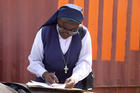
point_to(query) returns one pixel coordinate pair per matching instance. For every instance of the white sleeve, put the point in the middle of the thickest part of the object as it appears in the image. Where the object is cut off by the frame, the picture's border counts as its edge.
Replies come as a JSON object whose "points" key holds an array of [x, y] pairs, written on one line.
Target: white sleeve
{"points": [[84, 64], [35, 58]]}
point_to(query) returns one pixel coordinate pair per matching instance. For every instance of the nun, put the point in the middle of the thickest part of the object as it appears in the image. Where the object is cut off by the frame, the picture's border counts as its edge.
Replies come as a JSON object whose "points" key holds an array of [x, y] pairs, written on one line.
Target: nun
{"points": [[59, 54]]}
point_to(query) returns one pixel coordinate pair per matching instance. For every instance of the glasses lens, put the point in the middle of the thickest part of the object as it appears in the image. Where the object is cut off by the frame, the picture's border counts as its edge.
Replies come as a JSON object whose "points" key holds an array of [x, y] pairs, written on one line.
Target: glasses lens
{"points": [[62, 30]]}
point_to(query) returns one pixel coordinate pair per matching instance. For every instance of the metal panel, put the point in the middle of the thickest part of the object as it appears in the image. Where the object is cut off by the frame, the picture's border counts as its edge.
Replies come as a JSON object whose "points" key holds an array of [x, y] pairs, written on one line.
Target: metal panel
{"points": [[20, 20], [117, 90]]}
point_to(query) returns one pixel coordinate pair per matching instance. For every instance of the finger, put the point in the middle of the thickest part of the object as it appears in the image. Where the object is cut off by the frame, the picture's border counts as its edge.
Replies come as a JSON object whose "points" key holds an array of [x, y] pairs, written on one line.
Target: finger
{"points": [[49, 80], [54, 78], [69, 85], [68, 80]]}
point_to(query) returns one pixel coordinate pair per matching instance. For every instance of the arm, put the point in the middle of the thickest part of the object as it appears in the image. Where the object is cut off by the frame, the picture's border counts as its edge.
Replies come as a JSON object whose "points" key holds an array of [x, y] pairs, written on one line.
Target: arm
{"points": [[36, 66], [84, 64], [35, 58]]}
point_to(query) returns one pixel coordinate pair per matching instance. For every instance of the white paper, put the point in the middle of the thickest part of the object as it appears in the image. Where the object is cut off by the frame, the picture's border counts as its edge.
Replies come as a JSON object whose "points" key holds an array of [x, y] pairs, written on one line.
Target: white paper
{"points": [[45, 85]]}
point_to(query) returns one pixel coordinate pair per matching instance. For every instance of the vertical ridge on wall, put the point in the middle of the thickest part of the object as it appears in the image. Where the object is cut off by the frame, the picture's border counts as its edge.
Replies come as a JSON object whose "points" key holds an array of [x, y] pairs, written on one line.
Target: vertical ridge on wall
{"points": [[100, 29], [1, 40], [121, 30], [107, 30], [62, 2], [93, 24], [114, 29], [135, 26]]}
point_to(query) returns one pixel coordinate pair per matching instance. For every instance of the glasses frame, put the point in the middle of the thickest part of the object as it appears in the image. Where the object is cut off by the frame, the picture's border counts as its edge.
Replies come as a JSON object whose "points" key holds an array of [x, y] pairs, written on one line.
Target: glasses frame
{"points": [[63, 30]]}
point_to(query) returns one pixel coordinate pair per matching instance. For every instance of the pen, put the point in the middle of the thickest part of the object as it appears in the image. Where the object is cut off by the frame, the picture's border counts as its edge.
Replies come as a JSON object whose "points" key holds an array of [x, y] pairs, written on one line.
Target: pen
{"points": [[54, 74]]}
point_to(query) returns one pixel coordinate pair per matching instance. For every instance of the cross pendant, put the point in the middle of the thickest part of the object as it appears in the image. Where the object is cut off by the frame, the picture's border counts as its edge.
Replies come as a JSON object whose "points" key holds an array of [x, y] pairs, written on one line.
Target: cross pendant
{"points": [[66, 69]]}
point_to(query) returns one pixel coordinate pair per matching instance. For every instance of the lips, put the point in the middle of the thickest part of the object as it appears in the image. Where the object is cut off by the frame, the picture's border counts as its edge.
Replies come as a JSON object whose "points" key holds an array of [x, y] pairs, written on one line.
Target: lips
{"points": [[64, 35]]}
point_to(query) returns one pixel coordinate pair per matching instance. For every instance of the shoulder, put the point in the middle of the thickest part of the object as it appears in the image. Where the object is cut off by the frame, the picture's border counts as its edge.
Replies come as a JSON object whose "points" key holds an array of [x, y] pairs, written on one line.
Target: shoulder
{"points": [[84, 27], [46, 28], [86, 33], [82, 31]]}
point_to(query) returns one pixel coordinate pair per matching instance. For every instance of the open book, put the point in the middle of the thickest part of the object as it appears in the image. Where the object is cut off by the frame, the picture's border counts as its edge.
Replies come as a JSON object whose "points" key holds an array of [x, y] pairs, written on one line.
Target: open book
{"points": [[56, 87], [45, 85]]}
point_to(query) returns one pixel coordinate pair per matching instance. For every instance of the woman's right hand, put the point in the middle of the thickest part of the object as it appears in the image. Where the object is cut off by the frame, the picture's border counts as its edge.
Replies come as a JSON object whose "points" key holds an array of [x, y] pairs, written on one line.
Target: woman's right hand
{"points": [[50, 78]]}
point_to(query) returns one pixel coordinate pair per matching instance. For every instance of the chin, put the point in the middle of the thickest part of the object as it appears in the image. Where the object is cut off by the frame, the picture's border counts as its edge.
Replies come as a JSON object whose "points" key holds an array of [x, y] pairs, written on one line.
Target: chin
{"points": [[65, 37]]}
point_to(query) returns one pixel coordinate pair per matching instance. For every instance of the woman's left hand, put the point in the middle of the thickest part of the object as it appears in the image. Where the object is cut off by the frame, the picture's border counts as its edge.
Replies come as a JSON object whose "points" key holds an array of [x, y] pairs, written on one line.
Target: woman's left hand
{"points": [[69, 83]]}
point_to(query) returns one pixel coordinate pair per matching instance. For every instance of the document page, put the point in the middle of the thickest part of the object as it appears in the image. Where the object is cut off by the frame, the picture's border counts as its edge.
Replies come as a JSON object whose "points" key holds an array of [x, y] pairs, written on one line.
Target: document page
{"points": [[45, 85]]}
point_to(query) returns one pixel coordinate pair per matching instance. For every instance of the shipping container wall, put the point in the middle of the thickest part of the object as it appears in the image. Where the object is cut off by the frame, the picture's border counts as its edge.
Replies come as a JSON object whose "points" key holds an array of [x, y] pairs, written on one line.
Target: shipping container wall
{"points": [[114, 26]]}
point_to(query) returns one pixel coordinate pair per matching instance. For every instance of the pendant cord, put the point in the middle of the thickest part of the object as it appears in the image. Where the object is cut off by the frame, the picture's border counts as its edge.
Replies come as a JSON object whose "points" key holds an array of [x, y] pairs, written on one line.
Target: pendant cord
{"points": [[65, 61]]}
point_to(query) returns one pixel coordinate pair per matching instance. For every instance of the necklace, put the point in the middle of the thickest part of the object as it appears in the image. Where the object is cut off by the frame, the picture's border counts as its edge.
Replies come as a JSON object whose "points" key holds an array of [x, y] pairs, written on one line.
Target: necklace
{"points": [[65, 61], [66, 68]]}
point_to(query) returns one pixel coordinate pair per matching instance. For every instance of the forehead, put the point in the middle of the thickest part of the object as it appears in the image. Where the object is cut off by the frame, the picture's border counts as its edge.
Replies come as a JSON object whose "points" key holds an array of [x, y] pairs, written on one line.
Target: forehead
{"points": [[64, 21]]}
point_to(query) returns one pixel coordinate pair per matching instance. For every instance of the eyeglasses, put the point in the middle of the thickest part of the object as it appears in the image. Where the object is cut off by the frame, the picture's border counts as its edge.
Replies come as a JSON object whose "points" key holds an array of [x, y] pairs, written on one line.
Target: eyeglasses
{"points": [[63, 30]]}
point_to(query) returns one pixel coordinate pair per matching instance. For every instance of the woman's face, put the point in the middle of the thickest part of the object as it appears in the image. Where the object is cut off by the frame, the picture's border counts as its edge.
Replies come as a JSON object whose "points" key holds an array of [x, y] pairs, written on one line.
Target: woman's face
{"points": [[67, 27]]}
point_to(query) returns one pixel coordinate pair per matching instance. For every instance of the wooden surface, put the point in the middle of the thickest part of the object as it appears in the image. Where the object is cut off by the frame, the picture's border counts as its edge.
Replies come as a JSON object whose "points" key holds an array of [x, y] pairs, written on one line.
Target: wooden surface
{"points": [[49, 90]]}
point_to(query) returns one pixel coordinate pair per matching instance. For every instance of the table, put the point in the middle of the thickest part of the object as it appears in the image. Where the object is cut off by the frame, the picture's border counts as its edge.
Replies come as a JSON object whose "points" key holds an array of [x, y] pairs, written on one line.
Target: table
{"points": [[66, 90]]}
